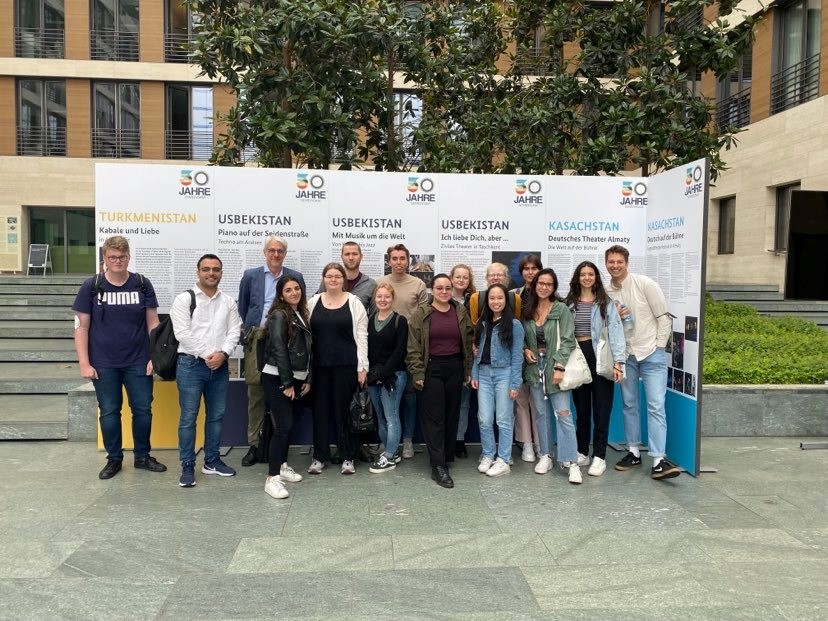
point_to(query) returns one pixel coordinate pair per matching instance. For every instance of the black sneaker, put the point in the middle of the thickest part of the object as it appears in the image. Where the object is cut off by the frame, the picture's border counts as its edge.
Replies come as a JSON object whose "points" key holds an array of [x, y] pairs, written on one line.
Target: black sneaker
{"points": [[665, 470], [628, 462], [112, 467], [149, 463], [250, 458]]}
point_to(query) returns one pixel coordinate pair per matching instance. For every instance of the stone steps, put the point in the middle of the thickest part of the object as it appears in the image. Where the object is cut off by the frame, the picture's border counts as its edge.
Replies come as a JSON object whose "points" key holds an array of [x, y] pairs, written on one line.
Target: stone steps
{"points": [[33, 417], [33, 299], [767, 300], [35, 313], [39, 377], [37, 350], [37, 329], [60, 279]]}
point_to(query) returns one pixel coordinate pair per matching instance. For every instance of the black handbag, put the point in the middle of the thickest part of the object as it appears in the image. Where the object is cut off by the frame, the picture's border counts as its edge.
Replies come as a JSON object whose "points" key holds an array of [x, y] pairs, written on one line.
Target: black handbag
{"points": [[361, 412]]}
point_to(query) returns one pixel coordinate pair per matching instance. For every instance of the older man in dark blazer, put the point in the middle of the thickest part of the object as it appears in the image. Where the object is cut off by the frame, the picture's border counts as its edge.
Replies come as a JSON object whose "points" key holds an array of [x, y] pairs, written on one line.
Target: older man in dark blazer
{"points": [[256, 292]]}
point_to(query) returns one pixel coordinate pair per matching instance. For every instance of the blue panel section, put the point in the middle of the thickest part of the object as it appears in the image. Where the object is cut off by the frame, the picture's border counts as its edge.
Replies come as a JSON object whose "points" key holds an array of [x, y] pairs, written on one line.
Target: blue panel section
{"points": [[682, 425]]}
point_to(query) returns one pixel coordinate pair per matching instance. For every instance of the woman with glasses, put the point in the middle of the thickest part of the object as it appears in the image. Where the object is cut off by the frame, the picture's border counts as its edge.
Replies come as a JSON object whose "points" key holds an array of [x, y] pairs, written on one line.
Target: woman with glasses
{"points": [[496, 377], [339, 327], [549, 339], [462, 282], [439, 360], [593, 310]]}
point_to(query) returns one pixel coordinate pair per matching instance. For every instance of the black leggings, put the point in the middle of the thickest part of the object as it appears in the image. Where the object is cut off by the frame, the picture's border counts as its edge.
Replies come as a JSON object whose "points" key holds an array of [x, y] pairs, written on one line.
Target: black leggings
{"points": [[333, 388], [593, 404], [283, 413]]}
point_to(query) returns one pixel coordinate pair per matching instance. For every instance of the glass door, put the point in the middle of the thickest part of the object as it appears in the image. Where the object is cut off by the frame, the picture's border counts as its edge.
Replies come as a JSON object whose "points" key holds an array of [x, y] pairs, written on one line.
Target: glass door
{"points": [[70, 234]]}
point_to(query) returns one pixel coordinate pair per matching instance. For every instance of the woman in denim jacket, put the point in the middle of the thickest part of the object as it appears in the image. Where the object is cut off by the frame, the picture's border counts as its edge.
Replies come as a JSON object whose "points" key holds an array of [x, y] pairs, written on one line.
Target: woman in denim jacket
{"points": [[496, 374], [549, 339], [592, 309]]}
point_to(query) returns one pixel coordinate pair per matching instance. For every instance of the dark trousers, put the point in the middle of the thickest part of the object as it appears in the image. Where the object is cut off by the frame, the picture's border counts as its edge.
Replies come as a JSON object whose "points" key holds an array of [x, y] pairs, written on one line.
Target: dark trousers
{"points": [[438, 407], [593, 405], [283, 413], [333, 388]]}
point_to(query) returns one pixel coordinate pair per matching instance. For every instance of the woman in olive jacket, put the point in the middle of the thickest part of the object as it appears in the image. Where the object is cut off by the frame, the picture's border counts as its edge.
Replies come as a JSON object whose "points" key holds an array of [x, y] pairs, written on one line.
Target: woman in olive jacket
{"points": [[550, 338], [286, 376], [439, 360]]}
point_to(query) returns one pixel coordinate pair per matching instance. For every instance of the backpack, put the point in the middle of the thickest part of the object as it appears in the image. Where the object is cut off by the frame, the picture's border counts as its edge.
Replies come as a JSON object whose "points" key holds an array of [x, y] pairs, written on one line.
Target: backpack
{"points": [[164, 345]]}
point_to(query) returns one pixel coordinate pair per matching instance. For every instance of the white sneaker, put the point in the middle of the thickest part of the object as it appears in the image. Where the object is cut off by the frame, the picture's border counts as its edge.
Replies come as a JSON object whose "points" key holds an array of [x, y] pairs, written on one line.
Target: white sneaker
{"points": [[316, 467], [286, 473], [408, 449], [275, 488], [598, 467], [583, 460], [575, 475], [499, 467], [528, 453], [544, 464], [485, 464], [348, 467]]}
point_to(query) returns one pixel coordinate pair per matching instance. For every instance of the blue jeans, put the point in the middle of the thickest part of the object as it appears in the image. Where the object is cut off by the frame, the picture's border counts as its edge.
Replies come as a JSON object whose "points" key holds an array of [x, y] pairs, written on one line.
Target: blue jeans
{"points": [[494, 404], [653, 372], [194, 379], [110, 399], [387, 406], [564, 425], [465, 403]]}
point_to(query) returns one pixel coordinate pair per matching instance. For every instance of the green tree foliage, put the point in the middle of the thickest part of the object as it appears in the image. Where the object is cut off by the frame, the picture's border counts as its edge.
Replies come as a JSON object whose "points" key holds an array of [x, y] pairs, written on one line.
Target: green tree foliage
{"points": [[315, 80], [742, 347]]}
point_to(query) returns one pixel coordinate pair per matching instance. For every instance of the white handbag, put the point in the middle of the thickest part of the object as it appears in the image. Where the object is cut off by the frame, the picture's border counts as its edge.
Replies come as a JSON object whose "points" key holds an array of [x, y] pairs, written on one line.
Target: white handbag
{"points": [[577, 371], [603, 356]]}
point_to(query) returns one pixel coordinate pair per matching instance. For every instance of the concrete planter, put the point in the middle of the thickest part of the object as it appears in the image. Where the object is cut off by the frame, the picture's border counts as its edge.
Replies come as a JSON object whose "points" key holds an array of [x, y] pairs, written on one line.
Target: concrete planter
{"points": [[764, 410]]}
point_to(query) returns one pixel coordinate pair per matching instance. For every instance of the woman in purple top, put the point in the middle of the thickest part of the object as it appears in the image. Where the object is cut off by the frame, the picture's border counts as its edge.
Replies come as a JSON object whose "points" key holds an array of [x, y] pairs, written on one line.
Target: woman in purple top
{"points": [[439, 360]]}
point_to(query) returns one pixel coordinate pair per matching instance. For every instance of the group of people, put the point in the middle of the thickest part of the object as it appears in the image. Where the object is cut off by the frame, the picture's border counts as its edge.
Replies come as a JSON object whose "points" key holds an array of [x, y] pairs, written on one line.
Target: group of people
{"points": [[420, 356]]}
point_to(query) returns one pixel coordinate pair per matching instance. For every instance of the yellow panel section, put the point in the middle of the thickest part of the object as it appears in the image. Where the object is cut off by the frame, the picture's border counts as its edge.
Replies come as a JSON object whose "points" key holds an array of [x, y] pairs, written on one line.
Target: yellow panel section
{"points": [[164, 419]]}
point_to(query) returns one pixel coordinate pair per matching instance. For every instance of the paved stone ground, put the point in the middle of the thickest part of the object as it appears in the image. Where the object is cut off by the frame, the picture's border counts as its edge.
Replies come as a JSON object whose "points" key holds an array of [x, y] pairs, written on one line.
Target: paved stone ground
{"points": [[750, 542]]}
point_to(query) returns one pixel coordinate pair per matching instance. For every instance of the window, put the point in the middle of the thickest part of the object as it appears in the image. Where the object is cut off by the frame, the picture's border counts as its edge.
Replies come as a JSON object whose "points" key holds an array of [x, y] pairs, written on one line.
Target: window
{"points": [[114, 33], [116, 120], [784, 196], [38, 31], [408, 114], [727, 224], [534, 56], [733, 95], [189, 124], [41, 117], [797, 56], [178, 32]]}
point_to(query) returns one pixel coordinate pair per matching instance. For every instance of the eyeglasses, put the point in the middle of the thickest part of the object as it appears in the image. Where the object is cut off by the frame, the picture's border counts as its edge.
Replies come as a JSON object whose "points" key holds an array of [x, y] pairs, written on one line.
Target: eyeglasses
{"points": [[121, 258], [497, 275], [207, 270], [279, 251], [334, 276], [546, 285]]}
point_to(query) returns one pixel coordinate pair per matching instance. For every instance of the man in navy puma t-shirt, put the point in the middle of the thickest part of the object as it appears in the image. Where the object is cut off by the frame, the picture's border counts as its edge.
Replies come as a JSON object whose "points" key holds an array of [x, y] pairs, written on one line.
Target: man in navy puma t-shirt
{"points": [[114, 313]]}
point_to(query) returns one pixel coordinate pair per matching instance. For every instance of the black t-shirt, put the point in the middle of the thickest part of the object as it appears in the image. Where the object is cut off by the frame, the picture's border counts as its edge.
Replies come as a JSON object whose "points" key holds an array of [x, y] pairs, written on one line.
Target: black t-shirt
{"points": [[333, 336]]}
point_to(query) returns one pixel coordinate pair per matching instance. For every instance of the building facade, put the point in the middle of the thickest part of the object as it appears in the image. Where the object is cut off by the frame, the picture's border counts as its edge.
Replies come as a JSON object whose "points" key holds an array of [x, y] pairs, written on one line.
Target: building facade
{"points": [[83, 81]]}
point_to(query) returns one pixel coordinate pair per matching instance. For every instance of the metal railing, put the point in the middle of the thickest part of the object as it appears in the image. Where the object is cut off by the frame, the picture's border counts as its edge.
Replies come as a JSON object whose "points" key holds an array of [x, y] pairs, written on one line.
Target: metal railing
{"points": [[735, 110], [42, 141], [113, 45], [108, 142], [187, 145], [39, 42], [795, 85], [177, 47]]}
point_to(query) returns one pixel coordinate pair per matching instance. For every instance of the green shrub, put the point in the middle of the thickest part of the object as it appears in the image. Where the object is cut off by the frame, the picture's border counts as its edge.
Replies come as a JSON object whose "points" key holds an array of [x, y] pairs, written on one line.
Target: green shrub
{"points": [[743, 347]]}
